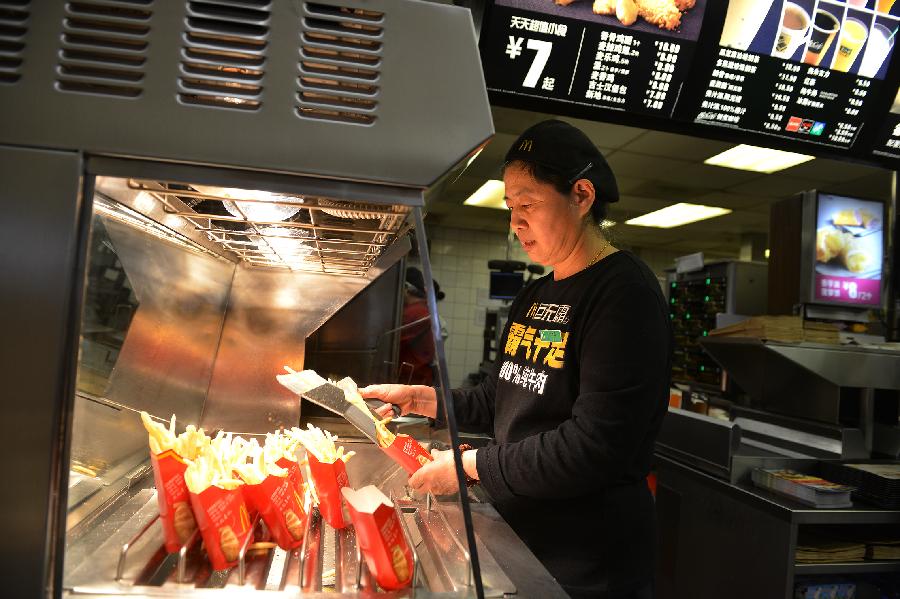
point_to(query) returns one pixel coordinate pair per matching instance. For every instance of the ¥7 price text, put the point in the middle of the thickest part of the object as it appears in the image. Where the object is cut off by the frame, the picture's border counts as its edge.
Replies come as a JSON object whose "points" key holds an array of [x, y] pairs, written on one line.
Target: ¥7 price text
{"points": [[542, 51]]}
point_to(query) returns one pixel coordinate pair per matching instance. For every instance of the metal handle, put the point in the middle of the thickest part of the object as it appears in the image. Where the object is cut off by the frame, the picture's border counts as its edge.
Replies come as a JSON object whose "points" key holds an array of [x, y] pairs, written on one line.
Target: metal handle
{"points": [[412, 548], [123, 553], [182, 555], [243, 553], [303, 548]]}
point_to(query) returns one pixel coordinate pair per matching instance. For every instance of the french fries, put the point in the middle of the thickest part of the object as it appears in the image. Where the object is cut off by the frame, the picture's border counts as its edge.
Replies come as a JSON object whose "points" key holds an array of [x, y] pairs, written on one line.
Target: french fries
{"points": [[216, 465], [189, 444], [253, 466], [320, 444]]}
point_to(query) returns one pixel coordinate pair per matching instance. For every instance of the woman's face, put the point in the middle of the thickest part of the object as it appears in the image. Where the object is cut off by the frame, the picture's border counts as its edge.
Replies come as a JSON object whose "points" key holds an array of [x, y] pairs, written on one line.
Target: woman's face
{"points": [[546, 222]]}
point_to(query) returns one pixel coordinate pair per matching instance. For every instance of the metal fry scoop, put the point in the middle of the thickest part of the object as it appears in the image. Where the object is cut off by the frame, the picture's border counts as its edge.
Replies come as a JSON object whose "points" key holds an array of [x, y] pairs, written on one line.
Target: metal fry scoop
{"points": [[331, 397]]}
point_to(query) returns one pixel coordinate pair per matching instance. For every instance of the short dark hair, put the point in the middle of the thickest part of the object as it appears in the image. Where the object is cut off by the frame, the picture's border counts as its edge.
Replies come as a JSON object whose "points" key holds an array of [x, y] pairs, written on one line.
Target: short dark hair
{"points": [[560, 183]]}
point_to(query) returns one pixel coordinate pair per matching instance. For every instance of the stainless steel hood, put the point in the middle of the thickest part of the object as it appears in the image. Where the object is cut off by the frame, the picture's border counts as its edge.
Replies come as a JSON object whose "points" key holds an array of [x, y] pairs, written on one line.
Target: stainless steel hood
{"points": [[387, 91]]}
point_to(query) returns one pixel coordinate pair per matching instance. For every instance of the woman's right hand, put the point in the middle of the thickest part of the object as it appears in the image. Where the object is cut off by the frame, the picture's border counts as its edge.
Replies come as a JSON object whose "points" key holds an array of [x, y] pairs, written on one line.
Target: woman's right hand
{"points": [[411, 399]]}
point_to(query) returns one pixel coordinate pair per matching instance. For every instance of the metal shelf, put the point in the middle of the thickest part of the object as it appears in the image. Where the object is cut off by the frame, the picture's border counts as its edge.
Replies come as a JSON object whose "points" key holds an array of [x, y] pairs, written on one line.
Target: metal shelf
{"points": [[868, 567]]}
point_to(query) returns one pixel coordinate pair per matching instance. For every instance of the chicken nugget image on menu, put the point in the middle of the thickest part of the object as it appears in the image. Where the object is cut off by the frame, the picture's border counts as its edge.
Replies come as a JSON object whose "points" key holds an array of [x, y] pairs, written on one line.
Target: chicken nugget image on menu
{"points": [[294, 524], [228, 541], [401, 565], [184, 522]]}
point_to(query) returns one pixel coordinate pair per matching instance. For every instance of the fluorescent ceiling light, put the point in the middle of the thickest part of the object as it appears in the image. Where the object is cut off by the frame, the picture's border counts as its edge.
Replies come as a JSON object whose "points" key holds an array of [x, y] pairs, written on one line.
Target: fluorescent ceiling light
{"points": [[489, 195], [760, 160], [677, 215]]}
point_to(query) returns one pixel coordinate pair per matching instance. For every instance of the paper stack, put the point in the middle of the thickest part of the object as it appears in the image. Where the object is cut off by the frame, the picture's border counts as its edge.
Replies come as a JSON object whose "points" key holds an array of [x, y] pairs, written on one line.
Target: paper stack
{"points": [[781, 328], [807, 489]]}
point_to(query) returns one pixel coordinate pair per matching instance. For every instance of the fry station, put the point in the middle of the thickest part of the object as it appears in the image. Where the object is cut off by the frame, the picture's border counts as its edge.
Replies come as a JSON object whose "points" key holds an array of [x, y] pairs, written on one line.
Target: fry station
{"points": [[221, 221], [200, 187]]}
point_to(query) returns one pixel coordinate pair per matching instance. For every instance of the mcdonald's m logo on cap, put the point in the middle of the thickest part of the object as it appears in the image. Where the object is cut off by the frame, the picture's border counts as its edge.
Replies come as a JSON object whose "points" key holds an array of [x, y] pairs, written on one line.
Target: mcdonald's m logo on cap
{"points": [[525, 145]]}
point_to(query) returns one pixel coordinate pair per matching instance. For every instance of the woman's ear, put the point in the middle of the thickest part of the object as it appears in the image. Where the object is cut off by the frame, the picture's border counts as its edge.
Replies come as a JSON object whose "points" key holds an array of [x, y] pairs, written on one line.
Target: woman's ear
{"points": [[583, 196]]}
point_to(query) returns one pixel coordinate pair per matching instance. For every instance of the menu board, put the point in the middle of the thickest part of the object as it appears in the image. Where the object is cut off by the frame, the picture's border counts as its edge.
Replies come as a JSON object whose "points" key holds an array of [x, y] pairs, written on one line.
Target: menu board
{"points": [[800, 69], [888, 141], [849, 247], [613, 54]]}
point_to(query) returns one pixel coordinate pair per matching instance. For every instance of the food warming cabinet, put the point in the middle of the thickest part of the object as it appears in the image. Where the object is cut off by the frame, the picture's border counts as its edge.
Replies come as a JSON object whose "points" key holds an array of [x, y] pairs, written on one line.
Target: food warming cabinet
{"points": [[191, 189]]}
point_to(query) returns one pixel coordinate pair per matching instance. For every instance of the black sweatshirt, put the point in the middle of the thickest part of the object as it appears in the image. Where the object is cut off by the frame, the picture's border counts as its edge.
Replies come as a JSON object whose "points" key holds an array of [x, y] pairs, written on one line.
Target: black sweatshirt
{"points": [[574, 405]]}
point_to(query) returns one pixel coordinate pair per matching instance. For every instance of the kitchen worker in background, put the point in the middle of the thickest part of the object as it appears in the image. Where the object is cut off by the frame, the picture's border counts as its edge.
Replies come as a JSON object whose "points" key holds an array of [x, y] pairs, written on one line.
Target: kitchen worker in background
{"points": [[580, 386], [417, 350]]}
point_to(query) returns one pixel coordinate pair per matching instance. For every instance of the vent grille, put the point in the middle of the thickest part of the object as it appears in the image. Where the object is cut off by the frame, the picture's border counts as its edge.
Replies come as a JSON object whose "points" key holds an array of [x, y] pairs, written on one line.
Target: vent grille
{"points": [[224, 55], [340, 60], [13, 27], [104, 47]]}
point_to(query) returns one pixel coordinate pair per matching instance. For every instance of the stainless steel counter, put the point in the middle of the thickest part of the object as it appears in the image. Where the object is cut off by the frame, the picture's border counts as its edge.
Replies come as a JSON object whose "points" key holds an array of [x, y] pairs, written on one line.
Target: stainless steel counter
{"points": [[95, 566]]}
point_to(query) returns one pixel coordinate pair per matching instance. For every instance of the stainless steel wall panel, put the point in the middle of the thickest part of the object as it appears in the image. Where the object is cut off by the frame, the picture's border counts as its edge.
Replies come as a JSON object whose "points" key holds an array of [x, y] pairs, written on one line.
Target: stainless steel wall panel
{"points": [[166, 362], [270, 314], [41, 287]]}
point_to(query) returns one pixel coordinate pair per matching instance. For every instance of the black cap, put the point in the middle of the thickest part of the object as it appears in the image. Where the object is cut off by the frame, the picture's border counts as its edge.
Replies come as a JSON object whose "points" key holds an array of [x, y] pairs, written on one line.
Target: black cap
{"points": [[567, 150], [415, 278]]}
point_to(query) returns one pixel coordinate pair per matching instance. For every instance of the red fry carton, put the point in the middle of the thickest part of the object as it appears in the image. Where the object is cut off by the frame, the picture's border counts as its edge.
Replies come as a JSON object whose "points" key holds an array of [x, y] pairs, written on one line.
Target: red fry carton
{"points": [[407, 452], [329, 479], [280, 508], [294, 475], [224, 524], [174, 500], [380, 536]]}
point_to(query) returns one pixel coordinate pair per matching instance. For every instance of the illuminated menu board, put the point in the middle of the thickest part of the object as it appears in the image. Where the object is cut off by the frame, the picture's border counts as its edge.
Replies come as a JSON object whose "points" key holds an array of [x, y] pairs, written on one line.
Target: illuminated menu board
{"points": [[888, 141], [849, 248], [800, 69], [585, 53]]}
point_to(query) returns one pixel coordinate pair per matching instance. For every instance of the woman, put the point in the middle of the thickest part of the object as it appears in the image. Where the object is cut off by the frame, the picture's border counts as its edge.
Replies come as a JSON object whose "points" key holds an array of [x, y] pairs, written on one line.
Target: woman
{"points": [[580, 387]]}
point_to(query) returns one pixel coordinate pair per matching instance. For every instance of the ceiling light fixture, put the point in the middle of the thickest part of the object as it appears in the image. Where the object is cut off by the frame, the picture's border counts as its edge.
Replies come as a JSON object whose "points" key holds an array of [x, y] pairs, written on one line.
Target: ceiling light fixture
{"points": [[489, 195], [677, 215], [756, 159]]}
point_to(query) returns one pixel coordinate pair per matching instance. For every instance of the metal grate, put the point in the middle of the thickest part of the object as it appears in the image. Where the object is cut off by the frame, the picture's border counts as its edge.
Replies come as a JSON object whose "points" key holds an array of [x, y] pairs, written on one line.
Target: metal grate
{"points": [[104, 47], [13, 27], [313, 234], [340, 57], [223, 58]]}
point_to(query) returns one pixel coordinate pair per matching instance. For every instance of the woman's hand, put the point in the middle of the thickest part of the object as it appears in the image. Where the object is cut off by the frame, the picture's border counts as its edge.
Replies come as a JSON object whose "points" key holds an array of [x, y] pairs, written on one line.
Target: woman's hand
{"points": [[437, 477], [415, 399]]}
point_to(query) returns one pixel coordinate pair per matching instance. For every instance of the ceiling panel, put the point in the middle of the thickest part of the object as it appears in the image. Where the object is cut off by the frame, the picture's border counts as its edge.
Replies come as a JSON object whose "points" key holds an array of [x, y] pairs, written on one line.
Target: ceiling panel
{"points": [[659, 143], [778, 186], [704, 176], [629, 164], [877, 186], [822, 169], [736, 201]]}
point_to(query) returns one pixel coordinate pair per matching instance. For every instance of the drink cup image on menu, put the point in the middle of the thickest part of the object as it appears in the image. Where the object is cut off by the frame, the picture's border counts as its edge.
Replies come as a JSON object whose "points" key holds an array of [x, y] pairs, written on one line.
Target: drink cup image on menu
{"points": [[793, 31], [743, 21], [879, 47], [885, 6], [824, 29], [850, 41]]}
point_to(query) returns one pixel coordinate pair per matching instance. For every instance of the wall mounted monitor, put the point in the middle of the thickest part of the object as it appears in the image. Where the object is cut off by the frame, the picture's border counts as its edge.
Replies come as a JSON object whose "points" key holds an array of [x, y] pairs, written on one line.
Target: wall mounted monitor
{"points": [[505, 285], [804, 70], [843, 248], [583, 53]]}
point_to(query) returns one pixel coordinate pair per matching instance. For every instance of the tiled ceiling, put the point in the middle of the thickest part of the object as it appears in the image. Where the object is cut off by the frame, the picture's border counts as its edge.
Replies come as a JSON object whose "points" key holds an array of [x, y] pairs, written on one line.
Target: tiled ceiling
{"points": [[655, 169]]}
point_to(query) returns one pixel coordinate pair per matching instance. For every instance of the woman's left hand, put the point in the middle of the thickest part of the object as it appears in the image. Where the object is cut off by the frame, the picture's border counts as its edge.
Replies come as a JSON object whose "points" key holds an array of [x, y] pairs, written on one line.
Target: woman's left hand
{"points": [[437, 477]]}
